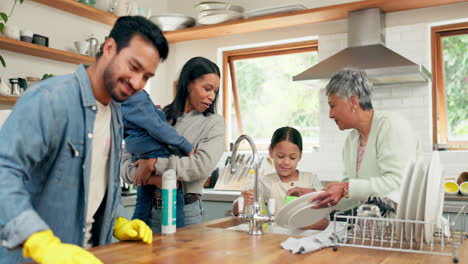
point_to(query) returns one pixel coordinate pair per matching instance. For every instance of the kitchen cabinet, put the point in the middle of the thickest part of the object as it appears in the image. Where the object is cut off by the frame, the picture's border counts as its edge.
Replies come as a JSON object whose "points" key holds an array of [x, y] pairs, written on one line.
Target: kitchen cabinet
{"points": [[268, 22], [217, 204]]}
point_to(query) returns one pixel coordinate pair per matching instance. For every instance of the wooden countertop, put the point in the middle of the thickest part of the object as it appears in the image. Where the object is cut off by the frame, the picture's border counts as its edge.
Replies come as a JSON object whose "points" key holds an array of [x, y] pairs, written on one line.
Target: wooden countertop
{"points": [[210, 243]]}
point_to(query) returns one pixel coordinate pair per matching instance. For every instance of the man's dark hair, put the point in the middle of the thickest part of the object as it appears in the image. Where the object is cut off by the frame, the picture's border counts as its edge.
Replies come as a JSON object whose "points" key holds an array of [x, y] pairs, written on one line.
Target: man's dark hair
{"points": [[126, 27]]}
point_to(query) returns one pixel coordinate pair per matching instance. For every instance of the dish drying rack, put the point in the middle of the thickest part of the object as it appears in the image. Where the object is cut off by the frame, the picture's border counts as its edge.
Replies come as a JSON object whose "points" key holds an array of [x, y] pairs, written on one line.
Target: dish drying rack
{"points": [[390, 234]]}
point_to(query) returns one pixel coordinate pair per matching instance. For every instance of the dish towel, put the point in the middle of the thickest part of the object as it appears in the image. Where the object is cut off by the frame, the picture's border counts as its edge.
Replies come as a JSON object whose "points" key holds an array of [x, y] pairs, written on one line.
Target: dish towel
{"points": [[315, 242]]}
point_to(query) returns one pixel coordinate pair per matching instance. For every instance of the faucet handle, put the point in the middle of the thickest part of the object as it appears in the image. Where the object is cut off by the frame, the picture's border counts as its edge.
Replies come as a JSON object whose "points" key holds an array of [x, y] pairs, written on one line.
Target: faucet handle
{"points": [[240, 205], [271, 206]]}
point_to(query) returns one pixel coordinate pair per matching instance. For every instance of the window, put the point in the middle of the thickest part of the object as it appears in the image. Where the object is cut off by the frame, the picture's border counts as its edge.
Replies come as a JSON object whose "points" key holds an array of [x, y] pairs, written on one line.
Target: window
{"points": [[450, 85], [263, 96]]}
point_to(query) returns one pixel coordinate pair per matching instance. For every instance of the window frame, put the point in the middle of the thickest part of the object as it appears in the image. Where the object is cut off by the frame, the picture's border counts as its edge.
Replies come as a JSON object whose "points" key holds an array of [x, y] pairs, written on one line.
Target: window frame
{"points": [[439, 109], [228, 72]]}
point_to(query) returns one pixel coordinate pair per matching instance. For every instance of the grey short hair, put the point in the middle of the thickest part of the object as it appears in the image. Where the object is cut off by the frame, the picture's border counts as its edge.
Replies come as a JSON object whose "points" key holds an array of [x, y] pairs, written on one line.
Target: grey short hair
{"points": [[349, 82]]}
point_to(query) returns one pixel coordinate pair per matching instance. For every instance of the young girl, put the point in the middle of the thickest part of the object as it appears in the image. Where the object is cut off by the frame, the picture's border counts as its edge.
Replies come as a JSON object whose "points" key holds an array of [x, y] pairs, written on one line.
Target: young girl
{"points": [[286, 152]]}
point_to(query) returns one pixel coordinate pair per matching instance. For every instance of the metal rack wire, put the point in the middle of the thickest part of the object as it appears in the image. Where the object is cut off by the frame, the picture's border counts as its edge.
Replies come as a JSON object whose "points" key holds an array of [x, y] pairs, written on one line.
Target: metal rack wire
{"points": [[402, 235]]}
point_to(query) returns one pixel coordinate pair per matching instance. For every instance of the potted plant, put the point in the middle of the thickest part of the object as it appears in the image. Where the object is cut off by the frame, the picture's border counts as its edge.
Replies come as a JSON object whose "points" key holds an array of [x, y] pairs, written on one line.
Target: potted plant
{"points": [[3, 19]]}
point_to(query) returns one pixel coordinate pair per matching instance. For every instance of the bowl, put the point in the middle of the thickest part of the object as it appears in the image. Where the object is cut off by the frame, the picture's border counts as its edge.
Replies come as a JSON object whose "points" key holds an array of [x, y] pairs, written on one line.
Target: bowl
{"points": [[204, 6], [170, 22], [451, 188], [464, 188]]}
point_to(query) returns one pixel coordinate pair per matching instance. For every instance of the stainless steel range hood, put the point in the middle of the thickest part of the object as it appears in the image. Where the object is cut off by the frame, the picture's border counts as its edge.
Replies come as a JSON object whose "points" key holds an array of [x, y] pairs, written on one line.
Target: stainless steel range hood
{"points": [[366, 51]]}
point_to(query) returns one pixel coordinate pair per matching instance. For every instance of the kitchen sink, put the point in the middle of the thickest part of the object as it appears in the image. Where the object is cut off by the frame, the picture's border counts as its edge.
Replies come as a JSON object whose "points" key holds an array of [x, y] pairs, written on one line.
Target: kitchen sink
{"points": [[236, 224]]}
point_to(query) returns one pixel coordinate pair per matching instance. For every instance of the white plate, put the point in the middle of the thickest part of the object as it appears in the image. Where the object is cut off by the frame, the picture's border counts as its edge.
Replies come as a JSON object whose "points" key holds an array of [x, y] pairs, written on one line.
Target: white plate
{"points": [[435, 190], [285, 215], [210, 17], [421, 204], [274, 10], [405, 184], [307, 216], [415, 188], [203, 6]]}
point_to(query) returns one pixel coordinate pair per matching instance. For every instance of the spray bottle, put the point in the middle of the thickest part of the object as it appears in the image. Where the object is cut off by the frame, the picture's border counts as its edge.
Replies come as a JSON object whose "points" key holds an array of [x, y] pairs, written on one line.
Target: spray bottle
{"points": [[169, 197]]}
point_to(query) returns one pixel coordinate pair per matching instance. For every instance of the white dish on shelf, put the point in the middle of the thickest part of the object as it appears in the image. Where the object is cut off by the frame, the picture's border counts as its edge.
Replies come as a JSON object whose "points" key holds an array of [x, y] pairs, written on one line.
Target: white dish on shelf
{"points": [[435, 190], [405, 184], [203, 6], [274, 10], [210, 17], [415, 188], [298, 213], [170, 22]]}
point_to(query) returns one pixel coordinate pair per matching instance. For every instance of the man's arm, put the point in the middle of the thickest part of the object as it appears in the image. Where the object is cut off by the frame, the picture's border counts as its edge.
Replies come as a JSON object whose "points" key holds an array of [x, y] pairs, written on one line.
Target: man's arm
{"points": [[26, 140]]}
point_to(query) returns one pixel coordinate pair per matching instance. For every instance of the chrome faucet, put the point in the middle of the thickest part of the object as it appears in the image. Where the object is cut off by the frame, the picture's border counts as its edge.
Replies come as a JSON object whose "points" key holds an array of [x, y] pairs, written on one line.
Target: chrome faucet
{"points": [[256, 218]]}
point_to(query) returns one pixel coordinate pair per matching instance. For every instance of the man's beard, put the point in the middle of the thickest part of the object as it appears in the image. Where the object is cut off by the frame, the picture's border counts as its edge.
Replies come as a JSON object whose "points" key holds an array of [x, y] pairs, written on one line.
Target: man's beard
{"points": [[109, 84]]}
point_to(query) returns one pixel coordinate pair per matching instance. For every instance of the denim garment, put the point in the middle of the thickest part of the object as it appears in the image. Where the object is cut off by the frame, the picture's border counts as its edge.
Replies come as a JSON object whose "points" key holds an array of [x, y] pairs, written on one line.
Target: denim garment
{"points": [[45, 159], [146, 128], [145, 208], [193, 214], [146, 197]]}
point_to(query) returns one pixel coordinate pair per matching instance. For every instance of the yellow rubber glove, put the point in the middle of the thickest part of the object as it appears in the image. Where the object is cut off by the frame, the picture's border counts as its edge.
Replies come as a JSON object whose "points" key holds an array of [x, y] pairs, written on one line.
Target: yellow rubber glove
{"points": [[132, 230], [45, 248]]}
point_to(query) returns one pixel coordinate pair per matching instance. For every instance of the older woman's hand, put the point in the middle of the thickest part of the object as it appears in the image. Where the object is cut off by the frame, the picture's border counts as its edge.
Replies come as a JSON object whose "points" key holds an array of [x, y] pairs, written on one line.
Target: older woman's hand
{"points": [[299, 191], [332, 194], [146, 167]]}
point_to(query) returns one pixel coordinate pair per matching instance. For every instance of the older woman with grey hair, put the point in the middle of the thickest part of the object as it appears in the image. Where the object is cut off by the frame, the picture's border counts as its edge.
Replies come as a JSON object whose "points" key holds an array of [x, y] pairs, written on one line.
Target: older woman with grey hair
{"points": [[376, 150]]}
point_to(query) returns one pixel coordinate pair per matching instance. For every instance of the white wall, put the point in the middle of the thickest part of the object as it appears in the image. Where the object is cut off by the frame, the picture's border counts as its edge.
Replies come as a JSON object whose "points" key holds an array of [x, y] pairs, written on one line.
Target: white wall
{"points": [[407, 32]]}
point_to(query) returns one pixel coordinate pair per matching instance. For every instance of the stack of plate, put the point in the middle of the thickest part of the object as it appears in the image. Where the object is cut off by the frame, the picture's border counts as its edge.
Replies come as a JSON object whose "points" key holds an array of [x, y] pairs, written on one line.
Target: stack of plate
{"points": [[299, 213], [422, 198], [210, 13], [274, 10]]}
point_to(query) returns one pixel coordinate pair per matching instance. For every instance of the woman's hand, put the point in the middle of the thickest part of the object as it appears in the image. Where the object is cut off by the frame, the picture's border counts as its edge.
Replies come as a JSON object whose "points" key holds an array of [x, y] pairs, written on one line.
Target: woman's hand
{"points": [[146, 167], [248, 196], [332, 194], [299, 191]]}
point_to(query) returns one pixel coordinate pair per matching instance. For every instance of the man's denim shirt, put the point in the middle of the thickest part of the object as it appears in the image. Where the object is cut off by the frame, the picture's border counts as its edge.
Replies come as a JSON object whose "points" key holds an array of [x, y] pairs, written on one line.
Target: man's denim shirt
{"points": [[45, 160]]}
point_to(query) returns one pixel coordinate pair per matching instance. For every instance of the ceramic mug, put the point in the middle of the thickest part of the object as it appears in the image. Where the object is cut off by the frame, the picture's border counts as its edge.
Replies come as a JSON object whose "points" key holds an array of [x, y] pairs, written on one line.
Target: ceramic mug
{"points": [[82, 47], [26, 35]]}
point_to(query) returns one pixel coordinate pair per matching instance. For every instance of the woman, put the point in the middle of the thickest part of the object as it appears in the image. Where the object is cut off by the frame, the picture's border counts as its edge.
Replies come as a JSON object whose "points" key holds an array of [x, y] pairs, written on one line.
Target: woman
{"points": [[192, 113], [376, 150]]}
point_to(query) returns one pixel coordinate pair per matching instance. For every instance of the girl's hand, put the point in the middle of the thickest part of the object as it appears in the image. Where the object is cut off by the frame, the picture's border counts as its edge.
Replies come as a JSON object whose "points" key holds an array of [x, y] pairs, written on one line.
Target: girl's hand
{"points": [[332, 194], [299, 191], [248, 196]]}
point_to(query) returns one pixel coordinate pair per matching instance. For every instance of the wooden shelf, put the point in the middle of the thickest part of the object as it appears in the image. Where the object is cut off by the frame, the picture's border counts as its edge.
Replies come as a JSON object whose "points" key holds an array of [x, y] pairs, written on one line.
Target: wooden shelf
{"points": [[80, 9], [8, 99], [297, 18], [282, 20], [43, 52]]}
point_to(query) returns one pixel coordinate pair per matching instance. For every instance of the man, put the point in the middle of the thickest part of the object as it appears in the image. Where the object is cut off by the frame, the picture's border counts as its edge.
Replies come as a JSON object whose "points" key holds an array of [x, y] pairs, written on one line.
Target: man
{"points": [[60, 153]]}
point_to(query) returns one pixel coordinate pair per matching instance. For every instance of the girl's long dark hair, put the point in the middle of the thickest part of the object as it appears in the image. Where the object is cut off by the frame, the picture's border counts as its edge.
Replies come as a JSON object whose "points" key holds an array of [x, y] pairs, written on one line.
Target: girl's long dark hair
{"points": [[194, 68]]}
